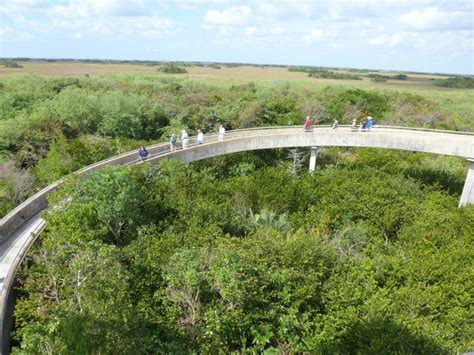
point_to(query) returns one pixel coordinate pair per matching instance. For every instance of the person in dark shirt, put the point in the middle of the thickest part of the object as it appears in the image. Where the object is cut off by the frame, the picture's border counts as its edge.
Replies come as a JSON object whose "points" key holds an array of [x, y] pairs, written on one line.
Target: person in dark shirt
{"points": [[143, 153]]}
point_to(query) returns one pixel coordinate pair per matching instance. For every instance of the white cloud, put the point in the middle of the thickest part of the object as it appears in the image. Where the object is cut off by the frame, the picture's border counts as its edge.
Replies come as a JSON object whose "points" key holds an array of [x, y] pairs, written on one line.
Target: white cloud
{"points": [[287, 10], [423, 42], [389, 40], [10, 34], [260, 31], [263, 33], [151, 27], [313, 36], [270, 10], [432, 18], [12, 5], [109, 8], [7, 30], [232, 17], [111, 18], [117, 7]]}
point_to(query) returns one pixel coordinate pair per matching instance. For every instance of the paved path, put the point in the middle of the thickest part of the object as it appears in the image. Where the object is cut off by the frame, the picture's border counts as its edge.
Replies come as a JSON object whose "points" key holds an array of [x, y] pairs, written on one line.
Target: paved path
{"points": [[15, 245]]}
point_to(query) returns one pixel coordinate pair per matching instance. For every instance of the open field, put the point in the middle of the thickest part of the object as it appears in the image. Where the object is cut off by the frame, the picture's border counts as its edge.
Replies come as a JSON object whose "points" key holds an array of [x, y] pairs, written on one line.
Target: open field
{"points": [[225, 74]]}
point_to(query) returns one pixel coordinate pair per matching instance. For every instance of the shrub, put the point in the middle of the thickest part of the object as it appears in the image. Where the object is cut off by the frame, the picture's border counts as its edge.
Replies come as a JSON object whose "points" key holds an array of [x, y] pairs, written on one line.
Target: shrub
{"points": [[400, 77], [378, 78], [11, 64], [172, 69]]}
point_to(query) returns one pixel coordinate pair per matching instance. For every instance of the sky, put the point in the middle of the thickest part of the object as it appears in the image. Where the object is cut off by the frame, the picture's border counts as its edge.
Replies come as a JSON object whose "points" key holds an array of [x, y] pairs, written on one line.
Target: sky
{"points": [[411, 35]]}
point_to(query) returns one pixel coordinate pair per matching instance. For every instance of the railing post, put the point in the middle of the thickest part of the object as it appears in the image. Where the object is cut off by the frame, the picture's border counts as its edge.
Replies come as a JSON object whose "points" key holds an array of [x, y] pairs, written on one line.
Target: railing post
{"points": [[312, 159], [467, 196]]}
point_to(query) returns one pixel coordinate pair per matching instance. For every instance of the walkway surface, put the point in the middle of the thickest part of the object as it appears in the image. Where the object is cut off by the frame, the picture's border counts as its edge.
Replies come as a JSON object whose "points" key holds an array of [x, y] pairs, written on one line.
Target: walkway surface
{"points": [[19, 228], [14, 246]]}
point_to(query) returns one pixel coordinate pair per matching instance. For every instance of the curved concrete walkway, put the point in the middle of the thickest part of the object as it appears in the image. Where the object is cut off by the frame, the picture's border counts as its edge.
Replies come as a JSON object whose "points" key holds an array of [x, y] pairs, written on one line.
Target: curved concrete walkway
{"points": [[20, 227]]}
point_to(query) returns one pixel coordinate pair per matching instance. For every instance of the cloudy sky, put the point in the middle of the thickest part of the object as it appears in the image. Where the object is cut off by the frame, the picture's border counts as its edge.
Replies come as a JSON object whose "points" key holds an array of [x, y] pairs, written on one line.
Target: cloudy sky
{"points": [[419, 35]]}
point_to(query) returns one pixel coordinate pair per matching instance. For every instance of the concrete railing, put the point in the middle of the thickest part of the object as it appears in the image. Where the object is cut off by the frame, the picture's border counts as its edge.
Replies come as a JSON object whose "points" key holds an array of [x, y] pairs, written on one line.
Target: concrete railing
{"points": [[460, 144]]}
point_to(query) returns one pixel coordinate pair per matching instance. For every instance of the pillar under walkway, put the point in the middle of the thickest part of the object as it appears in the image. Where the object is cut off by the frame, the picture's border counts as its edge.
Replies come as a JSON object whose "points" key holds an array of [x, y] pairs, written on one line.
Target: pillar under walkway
{"points": [[312, 159], [467, 196]]}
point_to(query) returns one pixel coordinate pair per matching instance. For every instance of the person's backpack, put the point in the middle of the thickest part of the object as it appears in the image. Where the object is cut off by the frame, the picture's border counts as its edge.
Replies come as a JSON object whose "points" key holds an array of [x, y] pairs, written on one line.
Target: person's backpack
{"points": [[173, 140]]}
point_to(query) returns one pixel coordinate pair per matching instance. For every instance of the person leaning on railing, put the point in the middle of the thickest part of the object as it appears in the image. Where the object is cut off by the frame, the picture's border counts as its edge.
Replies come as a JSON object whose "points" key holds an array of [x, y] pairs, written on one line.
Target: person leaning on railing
{"points": [[221, 134], [200, 137], [184, 138], [142, 152]]}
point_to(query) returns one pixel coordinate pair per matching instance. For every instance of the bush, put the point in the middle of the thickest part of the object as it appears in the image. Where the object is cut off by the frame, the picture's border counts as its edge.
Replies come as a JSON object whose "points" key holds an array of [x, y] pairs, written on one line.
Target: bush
{"points": [[378, 78], [172, 69], [400, 77], [11, 64]]}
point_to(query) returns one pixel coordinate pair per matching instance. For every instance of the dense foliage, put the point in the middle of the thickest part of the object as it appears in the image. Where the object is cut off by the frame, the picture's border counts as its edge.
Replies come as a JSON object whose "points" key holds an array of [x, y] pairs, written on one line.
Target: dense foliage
{"points": [[51, 127], [369, 254]]}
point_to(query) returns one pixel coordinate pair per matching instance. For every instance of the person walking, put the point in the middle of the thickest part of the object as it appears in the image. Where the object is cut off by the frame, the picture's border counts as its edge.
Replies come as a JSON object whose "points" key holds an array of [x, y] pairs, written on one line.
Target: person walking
{"points": [[370, 123], [221, 134], [307, 124], [354, 124], [335, 124], [172, 143], [200, 137], [142, 153], [184, 139]]}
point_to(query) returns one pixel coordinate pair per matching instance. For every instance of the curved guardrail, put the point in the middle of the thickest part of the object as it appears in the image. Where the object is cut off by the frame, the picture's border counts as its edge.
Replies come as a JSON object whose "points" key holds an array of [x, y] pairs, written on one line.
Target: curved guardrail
{"points": [[237, 140]]}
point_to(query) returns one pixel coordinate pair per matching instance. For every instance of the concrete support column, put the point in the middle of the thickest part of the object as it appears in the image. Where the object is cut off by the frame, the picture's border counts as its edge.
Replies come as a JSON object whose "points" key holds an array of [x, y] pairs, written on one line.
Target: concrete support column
{"points": [[312, 159], [467, 196]]}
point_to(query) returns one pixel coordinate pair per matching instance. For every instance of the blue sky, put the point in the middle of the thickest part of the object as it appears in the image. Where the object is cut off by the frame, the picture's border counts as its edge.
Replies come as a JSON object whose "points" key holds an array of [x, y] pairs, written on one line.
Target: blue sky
{"points": [[431, 36]]}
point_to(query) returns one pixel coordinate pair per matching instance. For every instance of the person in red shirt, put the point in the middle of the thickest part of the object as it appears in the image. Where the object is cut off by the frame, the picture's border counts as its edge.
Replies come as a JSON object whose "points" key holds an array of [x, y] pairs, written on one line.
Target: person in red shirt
{"points": [[307, 124]]}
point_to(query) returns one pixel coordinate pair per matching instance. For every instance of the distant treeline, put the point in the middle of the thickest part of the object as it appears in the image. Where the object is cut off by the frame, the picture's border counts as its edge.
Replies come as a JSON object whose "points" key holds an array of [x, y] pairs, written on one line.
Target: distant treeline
{"points": [[215, 65], [460, 82], [325, 74], [330, 74]]}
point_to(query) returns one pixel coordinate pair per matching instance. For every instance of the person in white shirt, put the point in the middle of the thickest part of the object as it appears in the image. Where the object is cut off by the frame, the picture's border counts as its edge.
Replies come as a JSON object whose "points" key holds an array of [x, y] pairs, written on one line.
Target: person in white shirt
{"points": [[200, 137], [184, 139], [221, 133]]}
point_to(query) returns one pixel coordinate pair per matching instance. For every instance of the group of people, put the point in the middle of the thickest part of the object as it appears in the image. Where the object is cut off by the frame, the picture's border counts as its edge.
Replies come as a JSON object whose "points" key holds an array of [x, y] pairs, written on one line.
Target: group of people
{"points": [[143, 152], [365, 124]]}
